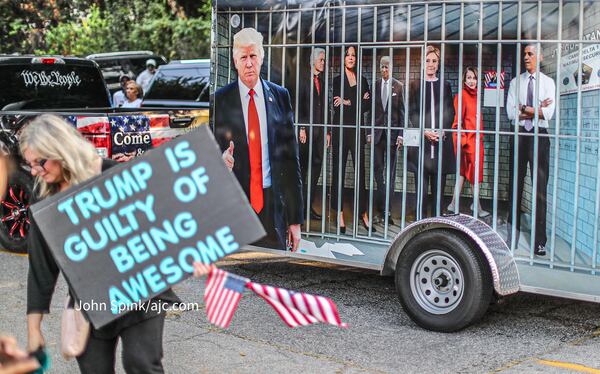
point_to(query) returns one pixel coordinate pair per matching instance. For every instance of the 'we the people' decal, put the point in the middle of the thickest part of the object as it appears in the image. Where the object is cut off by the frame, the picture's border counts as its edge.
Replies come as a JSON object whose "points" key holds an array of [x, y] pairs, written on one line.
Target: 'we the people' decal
{"points": [[53, 78]]}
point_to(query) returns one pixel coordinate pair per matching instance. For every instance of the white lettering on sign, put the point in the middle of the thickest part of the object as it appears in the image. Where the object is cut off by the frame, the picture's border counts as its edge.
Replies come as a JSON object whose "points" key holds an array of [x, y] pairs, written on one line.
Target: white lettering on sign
{"points": [[121, 138], [52, 79]]}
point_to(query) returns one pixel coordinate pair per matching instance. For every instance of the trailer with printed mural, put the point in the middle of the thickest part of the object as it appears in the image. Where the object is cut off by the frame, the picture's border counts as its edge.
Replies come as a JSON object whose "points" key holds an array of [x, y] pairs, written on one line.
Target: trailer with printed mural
{"points": [[482, 178]]}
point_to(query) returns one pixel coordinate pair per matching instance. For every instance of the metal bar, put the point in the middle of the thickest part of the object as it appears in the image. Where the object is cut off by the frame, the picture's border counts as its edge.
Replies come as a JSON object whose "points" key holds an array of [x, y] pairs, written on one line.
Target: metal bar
{"points": [[371, 158], [557, 142], [353, 6], [391, 23], [597, 217], [386, 205], [440, 194], [229, 56], [269, 47], [375, 30], [340, 186], [456, 193], [485, 132], [389, 184], [311, 63], [495, 196], [420, 196], [438, 41], [358, 173], [515, 209], [284, 49], [578, 147], [536, 122], [372, 143], [406, 121], [326, 129], [478, 143]]}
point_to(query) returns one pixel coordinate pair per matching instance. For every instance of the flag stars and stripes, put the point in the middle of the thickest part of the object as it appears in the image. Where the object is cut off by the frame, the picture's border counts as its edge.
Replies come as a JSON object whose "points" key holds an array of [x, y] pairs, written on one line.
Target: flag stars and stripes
{"points": [[224, 291]]}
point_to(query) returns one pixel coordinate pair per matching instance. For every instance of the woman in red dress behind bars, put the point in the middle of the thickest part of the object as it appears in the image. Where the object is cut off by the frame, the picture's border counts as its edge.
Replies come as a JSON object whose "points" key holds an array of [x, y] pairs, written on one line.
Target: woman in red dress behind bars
{"points": [[468, 140]]}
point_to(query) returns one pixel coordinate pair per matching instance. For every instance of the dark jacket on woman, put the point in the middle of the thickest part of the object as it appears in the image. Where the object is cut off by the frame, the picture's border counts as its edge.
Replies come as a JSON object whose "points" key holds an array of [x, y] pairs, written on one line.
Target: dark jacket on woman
{"points": [[430, 163], [43, 274], [350, 93]]}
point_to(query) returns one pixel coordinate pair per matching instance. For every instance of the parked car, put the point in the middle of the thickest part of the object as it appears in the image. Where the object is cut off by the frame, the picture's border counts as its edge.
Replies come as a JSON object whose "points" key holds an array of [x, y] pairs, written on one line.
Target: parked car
{"points": [[131, 63], [74, 89], [180, 84]]}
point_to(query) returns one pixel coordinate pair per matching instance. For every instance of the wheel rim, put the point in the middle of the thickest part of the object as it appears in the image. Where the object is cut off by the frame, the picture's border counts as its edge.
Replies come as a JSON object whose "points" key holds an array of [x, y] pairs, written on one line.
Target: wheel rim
{"points": [[15, 213], [436, 281]]}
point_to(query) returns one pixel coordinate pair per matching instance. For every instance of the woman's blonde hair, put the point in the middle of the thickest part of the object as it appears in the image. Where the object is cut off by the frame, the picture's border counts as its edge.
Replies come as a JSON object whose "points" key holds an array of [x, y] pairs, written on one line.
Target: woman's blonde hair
{"points": [[434, 50], [139, 89], [54, 139]]}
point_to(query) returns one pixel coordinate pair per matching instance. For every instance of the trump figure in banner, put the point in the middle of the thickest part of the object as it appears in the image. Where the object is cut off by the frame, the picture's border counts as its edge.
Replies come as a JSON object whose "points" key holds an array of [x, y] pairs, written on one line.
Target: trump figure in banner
{"points": [[255, 130]]}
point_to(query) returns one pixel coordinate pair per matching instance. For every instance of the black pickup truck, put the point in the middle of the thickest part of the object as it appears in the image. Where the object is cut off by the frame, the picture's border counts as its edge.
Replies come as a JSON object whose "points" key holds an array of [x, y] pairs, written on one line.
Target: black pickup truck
{"points": [[74, 89]]}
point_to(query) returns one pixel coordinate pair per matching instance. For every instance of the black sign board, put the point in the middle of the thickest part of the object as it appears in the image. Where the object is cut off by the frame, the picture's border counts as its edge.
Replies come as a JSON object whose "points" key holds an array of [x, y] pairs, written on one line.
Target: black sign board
{"points": [[133, 232]]}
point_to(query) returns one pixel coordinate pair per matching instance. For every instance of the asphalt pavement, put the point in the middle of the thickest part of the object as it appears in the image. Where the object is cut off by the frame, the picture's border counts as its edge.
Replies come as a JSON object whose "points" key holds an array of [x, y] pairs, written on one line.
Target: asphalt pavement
{"points": [[522, 333]]}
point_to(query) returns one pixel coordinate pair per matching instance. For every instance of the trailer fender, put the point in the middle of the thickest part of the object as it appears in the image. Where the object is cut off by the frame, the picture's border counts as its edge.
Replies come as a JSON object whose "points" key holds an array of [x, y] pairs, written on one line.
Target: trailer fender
{"points": [[502, 265]]}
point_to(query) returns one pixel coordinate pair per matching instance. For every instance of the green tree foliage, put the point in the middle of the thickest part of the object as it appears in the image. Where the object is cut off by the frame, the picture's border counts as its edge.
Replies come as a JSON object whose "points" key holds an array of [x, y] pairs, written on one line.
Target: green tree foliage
{"points": [[175, 29]]}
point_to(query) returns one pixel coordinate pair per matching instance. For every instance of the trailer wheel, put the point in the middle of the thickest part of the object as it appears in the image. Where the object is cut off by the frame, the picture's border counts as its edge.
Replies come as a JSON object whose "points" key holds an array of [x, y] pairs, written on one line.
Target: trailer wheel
{"points": [[14, 212], [443, 282]]}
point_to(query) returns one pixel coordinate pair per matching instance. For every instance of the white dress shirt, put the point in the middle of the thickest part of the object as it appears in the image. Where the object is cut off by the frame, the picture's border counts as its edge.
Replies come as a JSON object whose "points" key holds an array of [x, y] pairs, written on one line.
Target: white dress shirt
{"points": [[547, 90], [259, 101], [132, 104]]}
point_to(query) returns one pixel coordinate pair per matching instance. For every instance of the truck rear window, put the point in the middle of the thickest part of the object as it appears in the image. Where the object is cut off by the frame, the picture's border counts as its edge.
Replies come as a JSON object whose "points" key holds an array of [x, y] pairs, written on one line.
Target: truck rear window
{"points": [[180, 84], [51, 87]]}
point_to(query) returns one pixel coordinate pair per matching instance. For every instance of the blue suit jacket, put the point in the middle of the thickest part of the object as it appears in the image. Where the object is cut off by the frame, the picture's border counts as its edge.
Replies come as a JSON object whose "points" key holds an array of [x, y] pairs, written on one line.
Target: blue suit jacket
{"points": [[283, 149]]}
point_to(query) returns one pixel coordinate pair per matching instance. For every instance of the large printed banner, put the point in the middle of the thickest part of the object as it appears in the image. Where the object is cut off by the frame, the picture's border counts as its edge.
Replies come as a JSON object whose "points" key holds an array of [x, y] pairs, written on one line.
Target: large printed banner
{"points": [[590, 70], [135, 231]]}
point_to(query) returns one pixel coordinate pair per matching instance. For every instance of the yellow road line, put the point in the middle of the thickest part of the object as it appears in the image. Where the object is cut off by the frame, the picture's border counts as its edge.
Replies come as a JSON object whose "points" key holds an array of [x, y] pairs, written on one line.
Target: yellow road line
{"points": [[569, 366], [12, 253]]}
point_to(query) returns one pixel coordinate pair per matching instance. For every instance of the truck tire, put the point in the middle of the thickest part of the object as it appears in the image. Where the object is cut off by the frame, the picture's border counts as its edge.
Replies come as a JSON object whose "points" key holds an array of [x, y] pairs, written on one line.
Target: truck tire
{"points": [[443, 282], [14, 212]]}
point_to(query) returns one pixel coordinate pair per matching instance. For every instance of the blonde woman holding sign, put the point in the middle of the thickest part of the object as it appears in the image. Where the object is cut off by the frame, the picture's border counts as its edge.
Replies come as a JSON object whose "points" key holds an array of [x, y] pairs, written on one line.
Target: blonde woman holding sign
{"points": [[59, 158]]}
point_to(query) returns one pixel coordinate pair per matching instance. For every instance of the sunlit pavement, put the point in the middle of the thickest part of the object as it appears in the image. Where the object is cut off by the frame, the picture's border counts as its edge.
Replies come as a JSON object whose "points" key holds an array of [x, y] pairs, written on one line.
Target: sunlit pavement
{"points": [[523, 333]]}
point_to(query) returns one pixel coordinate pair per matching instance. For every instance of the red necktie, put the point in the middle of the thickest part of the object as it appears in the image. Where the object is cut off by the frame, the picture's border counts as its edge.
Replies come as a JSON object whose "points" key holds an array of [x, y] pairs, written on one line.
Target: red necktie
{"points": [[255, 150], [317, 85]]}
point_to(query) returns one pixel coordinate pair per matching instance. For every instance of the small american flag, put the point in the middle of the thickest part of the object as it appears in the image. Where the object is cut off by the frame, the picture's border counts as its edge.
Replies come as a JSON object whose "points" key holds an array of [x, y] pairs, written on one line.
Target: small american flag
{"points": [[491, 79], [222, 295], [224, 291], [298, 308]]}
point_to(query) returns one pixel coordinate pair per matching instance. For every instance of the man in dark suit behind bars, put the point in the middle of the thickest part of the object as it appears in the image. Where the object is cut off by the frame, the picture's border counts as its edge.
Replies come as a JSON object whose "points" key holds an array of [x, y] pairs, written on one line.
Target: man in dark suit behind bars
{"points": [[254, 126]]}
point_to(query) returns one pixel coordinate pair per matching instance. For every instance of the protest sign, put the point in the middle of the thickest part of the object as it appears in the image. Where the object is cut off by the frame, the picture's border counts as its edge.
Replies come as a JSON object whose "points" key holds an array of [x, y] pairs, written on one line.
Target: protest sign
{"points": [[134, 232]]}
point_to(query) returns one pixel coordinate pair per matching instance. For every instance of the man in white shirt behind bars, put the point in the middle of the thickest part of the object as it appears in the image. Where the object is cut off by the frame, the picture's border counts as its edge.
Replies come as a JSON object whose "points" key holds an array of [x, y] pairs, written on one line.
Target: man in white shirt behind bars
{"points": [[521, 110]]}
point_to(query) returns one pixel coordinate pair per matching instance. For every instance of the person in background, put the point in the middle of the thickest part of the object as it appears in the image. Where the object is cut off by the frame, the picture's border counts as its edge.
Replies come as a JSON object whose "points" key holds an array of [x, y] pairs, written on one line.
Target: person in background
{"points": [[13, 360], [254, 126], [133, 95], [146, 76], [468, 140], [346, 136], [524, 117], [389, 93], [317, 89], [434, 134], [119, 96], [59, 158]]}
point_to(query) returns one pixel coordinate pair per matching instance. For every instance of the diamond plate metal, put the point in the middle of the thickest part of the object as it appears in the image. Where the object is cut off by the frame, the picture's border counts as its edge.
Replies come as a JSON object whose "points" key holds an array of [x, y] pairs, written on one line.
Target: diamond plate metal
{"points": [[504, 270]]}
